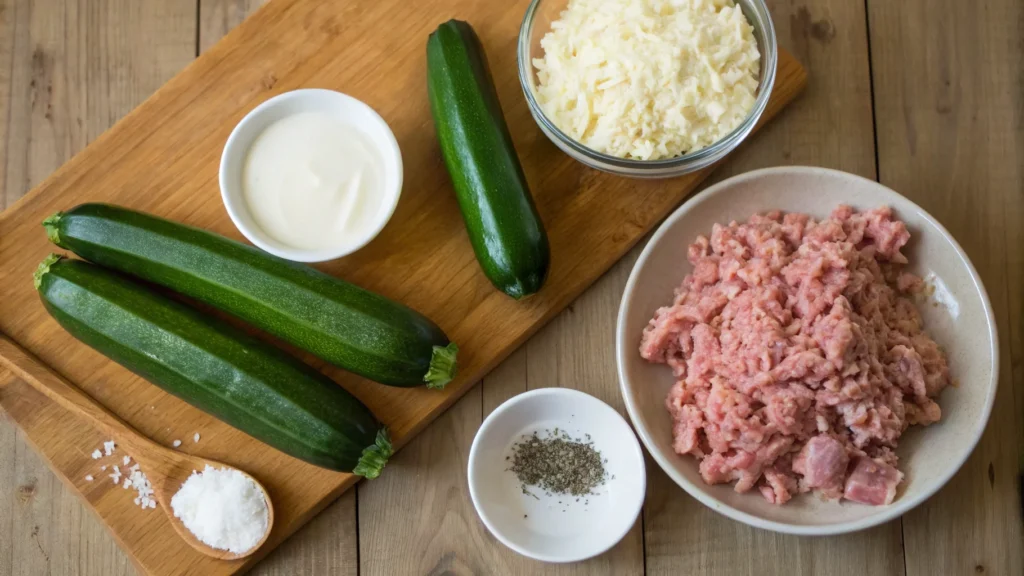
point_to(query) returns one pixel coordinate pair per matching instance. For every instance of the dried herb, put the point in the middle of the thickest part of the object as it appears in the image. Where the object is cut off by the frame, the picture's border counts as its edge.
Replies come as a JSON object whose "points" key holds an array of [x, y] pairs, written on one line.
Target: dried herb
{"points": [[558, 463]]}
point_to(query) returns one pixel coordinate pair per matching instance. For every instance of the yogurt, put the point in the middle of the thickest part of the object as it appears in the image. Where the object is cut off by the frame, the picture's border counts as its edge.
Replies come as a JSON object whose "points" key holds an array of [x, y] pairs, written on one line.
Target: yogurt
{"points": [[313, 182]]}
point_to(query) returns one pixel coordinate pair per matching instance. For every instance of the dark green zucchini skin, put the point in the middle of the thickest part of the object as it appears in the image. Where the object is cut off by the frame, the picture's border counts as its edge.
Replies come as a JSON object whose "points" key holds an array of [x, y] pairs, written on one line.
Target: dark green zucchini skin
{"points": [[342, 323], [217, 368], [507, 234]]}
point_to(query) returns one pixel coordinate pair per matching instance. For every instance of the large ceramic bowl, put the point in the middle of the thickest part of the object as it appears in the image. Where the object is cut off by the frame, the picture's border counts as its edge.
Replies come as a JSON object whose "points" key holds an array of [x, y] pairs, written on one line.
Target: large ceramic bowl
{"points": [[962, 324]]}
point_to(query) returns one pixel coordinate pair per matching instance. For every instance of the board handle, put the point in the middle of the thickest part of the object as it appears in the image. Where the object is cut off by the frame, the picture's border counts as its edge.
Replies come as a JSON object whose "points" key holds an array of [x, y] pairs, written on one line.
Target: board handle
{"points": [[27, 367]]}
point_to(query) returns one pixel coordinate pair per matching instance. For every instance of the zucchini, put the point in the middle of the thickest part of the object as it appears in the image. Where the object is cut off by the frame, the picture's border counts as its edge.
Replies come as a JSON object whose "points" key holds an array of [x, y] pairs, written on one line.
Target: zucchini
{"points": [[339, 322], [217, 368], [507, 234]]}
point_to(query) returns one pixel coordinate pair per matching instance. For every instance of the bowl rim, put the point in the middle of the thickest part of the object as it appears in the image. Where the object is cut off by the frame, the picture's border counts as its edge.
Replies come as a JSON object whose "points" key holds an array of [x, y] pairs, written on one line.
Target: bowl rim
{"points": [[232, 196], [634, 446], [885, 513], [667, 167]]}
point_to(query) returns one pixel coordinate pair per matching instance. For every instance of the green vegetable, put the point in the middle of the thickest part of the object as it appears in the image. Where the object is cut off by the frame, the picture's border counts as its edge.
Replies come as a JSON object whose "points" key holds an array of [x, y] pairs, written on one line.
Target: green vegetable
{"points": [[241, 380], [337, 321], [504, 228]]}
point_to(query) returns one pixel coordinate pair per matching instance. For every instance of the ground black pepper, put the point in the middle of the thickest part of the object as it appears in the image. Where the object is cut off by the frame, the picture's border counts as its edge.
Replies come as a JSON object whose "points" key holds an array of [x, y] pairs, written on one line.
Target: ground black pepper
{"points": [[558, 463]]}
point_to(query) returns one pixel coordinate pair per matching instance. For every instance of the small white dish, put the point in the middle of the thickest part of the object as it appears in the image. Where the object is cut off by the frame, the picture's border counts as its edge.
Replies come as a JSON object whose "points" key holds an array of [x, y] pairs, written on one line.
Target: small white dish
{"points": [[963, 325], [347, 109], [556, 528]]}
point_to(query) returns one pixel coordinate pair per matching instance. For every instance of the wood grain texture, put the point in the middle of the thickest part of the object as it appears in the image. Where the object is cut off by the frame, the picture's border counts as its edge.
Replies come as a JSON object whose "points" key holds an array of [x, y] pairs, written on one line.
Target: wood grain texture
{"points": [[218, 17], [948, 107], [831, 126], [163, 158], [68, 71]]}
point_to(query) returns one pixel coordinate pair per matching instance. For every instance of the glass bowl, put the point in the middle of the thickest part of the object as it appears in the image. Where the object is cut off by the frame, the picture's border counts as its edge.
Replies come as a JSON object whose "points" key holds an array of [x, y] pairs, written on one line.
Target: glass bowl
{"points": [[537, 23]]}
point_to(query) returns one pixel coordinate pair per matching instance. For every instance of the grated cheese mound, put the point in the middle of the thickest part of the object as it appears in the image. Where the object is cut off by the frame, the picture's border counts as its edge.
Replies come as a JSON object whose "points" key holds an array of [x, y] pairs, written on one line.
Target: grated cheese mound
{"points": [[648, 79]]}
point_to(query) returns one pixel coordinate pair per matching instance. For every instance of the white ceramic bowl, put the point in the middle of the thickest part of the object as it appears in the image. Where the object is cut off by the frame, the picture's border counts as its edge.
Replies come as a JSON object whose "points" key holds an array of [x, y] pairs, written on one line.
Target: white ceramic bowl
{"points": [[347, 109], [556, 528], [963, 326]]}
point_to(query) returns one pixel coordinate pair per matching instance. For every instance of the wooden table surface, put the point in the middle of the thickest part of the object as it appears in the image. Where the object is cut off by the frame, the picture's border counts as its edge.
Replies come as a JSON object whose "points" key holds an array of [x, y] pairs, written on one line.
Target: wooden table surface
{"points": [[927, 96]]}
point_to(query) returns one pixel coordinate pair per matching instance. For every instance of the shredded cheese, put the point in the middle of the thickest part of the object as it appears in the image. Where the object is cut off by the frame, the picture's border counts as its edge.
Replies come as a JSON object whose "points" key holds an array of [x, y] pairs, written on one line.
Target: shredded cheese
{"points": [[648, 79]]}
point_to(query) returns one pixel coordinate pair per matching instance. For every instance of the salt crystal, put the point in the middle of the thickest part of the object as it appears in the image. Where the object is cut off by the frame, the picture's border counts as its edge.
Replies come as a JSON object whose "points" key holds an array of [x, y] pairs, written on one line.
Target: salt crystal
{"points": [[126, 460], [176, 443], [88, 478], [127, 484], [223, 508], [108, 447], [195, 439], [96, 454], [144, 490], [103, 468]]}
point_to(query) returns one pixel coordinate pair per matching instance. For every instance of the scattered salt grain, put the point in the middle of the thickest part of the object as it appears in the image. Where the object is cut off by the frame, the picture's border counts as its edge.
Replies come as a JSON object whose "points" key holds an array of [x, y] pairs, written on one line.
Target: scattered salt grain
{"points": [[223, 508], [195, 439], [139, 481], [108, 447], [96, 454], [126, 460], [127, 484], [103, 468], [176, 443], [116, 476], [88, 478]]}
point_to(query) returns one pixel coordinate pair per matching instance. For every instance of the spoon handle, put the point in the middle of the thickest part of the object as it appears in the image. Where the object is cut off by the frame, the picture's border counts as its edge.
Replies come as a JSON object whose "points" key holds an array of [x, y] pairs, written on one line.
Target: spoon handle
{"points": [[27, 367]]}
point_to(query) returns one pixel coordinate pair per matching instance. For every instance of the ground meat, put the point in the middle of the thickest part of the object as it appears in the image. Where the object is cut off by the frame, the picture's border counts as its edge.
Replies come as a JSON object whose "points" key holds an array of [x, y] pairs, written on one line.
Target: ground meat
{"points": [[799, 356]]}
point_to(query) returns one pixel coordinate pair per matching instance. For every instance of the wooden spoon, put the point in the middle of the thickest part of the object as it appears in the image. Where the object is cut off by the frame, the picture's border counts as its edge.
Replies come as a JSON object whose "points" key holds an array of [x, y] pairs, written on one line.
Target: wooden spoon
{"points": [[166, 469]]}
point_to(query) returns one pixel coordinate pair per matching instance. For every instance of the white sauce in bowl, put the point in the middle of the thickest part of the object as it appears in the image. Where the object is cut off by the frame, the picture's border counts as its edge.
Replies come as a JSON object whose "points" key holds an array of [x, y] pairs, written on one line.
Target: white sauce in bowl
{"points": [[313, 182]]}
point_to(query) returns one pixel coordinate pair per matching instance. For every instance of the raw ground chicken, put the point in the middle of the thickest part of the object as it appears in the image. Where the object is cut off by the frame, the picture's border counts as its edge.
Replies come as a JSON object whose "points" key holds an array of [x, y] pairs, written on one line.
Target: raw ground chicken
{"points": [[799, 355]]}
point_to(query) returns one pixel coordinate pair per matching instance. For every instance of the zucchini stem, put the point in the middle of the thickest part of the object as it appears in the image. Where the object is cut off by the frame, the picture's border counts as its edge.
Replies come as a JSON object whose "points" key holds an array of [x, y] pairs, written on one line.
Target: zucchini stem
{"points": [[375, 457], [50, 224], [44, 267], [443, 366]]}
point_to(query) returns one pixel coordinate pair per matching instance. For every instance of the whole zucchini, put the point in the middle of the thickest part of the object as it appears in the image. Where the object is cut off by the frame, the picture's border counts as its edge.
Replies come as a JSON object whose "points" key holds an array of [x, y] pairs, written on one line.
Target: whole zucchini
{"points": [[345, 325], [507, 234], [217, 368]]}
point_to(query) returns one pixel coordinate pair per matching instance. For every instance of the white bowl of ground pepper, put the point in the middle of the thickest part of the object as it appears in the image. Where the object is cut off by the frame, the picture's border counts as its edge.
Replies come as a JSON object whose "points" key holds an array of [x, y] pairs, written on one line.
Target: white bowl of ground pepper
{"points": [[557, 475]]}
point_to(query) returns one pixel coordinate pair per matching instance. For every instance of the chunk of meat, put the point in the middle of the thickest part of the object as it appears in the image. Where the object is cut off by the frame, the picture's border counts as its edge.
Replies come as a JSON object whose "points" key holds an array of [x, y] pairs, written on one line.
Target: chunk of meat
{"points": [[872, 482], [822, 462]]}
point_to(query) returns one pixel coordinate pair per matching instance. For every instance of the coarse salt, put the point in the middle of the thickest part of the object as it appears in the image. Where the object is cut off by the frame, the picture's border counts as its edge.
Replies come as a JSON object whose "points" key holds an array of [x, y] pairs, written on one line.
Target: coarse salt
{"points": [[126, 460], [88, 478], [223, 508], [176, 443], [195, 439], [108, 447], [137, 480], [96, 454]]}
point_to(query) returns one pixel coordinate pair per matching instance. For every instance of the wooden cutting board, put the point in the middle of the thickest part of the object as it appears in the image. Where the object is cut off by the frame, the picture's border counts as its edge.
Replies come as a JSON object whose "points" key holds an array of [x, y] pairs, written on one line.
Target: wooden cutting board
{"points": [[163, 158]]}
